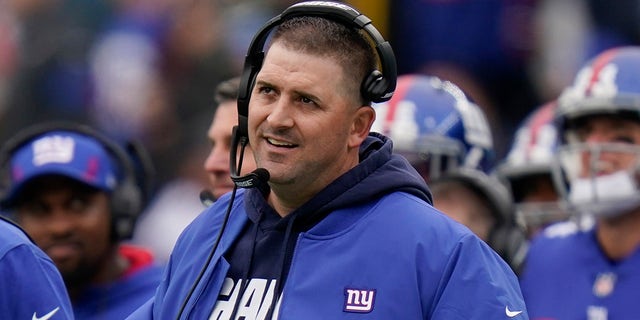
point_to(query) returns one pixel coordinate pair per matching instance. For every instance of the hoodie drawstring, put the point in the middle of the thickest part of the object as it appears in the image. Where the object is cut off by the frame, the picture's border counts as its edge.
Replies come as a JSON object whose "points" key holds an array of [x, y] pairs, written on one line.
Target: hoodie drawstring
{"points": [[281, 262], [244, 280]]}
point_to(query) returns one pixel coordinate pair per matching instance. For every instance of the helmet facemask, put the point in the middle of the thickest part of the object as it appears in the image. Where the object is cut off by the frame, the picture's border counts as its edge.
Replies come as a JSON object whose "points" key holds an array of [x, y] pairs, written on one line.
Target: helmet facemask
{"points": [[602, 179]]}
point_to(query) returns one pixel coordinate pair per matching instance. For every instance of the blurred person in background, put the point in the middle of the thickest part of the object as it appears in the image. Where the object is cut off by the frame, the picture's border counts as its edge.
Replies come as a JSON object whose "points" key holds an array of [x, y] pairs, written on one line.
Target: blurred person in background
{"points": [[591, 272], [74, 191], [447, 139], [527, 172], [482, 203], [217, 163]]}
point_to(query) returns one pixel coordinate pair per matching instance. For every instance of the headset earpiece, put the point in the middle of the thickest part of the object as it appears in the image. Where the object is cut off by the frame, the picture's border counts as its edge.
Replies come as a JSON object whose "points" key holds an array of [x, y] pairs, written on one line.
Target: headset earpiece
{"points": [[145, 171], [126, 198], [511, 242], [374, 86], [126, 204]]}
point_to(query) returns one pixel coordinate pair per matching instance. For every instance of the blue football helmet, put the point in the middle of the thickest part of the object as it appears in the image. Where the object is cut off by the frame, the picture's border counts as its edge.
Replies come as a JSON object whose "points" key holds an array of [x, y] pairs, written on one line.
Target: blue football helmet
{"points": [[601, 178], [527, 171], [435, 126]]}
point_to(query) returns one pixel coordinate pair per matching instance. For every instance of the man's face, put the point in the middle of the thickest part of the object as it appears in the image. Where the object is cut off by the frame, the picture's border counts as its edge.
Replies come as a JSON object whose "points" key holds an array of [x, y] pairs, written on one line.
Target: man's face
{"points": [[618, 136], [70, 222], [217, 163], [305, 127], [537, 203], [601, 161], [465, 206]]}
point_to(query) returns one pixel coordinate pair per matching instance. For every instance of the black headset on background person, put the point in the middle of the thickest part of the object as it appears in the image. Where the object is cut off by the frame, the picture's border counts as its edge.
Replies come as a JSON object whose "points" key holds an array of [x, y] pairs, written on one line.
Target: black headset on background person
{"points": [[506, 237], [126, 199], [377, 87], [145, 170]]}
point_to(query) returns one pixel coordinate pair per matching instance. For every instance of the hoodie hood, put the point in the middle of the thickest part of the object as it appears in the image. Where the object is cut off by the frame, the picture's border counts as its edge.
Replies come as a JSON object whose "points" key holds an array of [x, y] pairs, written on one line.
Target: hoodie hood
{"points": [[379, 172]]}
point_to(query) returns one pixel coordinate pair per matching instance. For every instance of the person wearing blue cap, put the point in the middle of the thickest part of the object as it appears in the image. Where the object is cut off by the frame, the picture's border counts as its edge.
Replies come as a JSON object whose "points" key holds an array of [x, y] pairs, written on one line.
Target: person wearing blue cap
{"points": [[75, 192]]}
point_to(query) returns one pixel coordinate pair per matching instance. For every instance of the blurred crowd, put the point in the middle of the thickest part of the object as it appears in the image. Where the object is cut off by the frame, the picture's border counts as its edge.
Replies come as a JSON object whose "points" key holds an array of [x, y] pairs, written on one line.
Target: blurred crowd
{"points": [[147, 69]]}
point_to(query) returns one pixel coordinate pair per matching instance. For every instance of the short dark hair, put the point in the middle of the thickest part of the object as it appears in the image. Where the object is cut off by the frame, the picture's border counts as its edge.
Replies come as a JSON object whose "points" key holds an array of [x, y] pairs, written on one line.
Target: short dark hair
{"points": [[227, 90], [324, 37]]}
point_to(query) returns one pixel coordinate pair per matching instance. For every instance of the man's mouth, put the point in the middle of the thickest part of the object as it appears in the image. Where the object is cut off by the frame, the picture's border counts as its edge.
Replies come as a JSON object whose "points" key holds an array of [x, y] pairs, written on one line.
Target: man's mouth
{"points": [[63, 251], [280, 143]]}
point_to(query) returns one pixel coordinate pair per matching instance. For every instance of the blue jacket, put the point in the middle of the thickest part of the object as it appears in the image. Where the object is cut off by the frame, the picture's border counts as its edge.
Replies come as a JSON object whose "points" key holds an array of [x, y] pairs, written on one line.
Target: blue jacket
{"points": [[383, 252], [30, 285]]}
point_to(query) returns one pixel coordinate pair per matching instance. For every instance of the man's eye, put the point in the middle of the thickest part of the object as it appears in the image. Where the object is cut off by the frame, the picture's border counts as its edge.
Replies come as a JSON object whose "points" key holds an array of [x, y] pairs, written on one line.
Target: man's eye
{"points": [[624, 139], [265, 90], [78, 204]]}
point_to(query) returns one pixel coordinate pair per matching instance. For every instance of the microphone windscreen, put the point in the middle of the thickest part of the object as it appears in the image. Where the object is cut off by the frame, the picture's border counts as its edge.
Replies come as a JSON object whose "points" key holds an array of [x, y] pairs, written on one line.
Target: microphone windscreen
{"points": [[207, 198], [262, 174]]}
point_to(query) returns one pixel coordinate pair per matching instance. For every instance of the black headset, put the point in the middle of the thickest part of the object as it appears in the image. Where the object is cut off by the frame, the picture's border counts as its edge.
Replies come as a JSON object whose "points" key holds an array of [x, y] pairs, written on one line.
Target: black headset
{"points": [[378, 86], [126, 199]]}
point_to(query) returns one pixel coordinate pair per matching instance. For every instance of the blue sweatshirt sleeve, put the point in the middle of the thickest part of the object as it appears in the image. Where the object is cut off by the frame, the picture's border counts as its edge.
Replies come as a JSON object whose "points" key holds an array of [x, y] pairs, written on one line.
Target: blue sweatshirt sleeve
{"points": [[478, 284], [32, 287]]}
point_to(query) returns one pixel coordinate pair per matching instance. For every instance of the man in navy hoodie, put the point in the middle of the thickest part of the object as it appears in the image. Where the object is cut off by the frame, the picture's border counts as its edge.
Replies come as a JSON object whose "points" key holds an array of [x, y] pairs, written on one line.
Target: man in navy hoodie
{"points": [[339, 227]]}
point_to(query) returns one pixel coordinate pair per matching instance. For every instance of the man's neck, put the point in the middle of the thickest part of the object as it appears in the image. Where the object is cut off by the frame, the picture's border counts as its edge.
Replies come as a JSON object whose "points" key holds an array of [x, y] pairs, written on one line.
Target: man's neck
{"points": [[619, 236], [113, 267]]}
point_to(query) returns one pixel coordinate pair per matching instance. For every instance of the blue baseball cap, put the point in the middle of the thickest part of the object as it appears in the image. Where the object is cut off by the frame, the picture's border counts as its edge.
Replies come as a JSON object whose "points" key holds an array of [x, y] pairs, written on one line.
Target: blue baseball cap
{"points": [[70, 154]]}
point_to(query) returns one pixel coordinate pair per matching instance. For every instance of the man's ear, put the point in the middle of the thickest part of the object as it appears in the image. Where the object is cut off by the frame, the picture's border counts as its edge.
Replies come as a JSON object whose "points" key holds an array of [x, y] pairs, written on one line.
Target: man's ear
{"points": [[362, 121]]}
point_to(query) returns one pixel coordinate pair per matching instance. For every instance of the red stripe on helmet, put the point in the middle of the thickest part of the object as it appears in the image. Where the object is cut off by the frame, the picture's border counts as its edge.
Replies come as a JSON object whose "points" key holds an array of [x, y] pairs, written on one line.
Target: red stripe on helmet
{"points": [[402, 87], [598, 65], [541, 118]]}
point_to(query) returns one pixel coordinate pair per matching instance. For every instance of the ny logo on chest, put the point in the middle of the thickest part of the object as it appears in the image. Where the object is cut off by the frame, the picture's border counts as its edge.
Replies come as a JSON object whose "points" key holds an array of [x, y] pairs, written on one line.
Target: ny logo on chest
{"points": [[359, 300]]}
